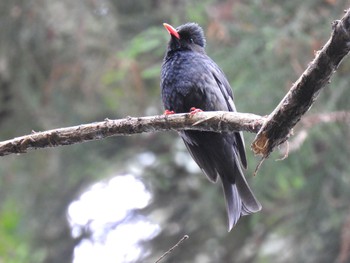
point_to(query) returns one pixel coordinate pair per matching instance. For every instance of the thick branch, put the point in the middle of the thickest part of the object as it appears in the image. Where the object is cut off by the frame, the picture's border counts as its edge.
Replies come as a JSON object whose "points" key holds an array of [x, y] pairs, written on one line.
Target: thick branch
{"points": [[303, 93], [204, 121]]}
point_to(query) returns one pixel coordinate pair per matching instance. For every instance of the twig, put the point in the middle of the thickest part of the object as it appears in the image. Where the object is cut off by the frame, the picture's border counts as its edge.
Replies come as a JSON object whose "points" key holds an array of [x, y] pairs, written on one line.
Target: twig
{"points": [[303, 93], [258, 166], [172, 248]]}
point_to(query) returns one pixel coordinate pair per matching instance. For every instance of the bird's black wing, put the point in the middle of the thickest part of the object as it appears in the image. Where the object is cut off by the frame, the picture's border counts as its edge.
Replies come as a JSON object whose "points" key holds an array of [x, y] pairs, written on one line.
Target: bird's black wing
{"points": [[226, 91], [214, 94], [208, 94], [193, 141], [222, 153]]}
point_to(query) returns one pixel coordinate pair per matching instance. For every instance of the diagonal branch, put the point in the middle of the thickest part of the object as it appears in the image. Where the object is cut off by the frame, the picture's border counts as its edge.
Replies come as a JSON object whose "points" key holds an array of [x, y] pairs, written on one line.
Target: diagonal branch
{"points": [[303, 93], [205, 121]]}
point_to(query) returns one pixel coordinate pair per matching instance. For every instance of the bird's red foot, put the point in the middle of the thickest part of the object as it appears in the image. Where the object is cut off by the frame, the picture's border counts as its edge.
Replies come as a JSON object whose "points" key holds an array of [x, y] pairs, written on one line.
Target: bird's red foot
{"points": [[169, 112], [194, 110]]}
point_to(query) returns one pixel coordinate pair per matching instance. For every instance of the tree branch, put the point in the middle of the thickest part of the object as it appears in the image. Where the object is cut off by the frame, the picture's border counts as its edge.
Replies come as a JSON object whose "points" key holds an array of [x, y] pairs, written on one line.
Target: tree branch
{"points": [[275, 129], [219, 121], [303, 93]]}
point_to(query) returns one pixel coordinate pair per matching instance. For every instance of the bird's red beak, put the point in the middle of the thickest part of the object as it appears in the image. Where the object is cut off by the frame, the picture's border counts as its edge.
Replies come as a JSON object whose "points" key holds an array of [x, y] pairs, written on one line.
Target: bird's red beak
{"points": [[172, 31]]}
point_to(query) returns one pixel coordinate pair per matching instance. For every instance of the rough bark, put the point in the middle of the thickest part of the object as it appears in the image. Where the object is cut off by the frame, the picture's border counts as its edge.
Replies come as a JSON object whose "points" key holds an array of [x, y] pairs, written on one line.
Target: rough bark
{"points": [[205, 121], [302, 95]]}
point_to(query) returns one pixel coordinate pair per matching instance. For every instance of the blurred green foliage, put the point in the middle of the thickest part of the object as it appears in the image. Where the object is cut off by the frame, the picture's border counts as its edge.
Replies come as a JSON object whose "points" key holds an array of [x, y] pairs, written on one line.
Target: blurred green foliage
{"points": [[65, 63]]}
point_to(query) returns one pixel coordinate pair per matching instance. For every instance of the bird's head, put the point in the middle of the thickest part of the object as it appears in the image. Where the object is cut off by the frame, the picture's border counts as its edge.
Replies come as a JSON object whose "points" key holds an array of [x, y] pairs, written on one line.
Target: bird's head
{"points": [[189, 36]]}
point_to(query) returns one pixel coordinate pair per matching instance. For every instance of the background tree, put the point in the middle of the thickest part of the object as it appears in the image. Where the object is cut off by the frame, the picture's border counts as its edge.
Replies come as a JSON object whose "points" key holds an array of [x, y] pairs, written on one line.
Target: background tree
{"points": [[64, 63]]}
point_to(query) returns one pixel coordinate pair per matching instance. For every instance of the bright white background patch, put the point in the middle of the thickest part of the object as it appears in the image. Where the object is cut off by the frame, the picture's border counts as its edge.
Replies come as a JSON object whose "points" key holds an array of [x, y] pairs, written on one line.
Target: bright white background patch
{"points": [[107, 203]]}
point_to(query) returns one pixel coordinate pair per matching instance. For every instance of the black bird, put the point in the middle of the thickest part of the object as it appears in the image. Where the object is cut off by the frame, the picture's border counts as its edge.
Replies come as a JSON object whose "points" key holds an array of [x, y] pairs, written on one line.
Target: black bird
{"points": [[190, 80]]}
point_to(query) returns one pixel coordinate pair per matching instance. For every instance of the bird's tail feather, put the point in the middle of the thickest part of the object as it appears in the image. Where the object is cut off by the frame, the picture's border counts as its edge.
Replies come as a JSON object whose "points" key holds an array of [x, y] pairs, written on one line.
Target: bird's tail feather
{"points": [[250, 204], [233, 203], [239, 199]]}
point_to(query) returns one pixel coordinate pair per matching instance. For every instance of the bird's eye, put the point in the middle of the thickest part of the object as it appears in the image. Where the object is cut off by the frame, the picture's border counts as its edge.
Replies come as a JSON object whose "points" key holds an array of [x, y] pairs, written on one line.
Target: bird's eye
{"points": [[192, 41]]}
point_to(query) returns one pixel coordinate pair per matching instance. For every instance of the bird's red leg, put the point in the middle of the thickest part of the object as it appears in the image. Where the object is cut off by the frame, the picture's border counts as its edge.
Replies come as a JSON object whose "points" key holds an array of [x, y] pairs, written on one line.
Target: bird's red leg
{"points": [[194, 110], [169, 112]]}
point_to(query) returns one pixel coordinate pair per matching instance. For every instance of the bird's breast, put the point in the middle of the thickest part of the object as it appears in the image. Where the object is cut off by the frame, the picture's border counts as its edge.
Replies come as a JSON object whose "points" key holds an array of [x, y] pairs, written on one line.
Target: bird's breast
{"points": [[187, 82]]}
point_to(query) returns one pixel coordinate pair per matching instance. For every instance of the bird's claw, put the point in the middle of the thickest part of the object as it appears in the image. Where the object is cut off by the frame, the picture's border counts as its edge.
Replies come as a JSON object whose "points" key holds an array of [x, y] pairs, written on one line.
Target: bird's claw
{"points": [[194, 110], [169, 112]]}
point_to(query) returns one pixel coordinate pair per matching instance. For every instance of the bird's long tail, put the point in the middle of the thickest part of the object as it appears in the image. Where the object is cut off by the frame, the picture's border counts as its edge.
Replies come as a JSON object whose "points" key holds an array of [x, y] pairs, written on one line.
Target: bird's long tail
{"points": [[240, 200]]}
